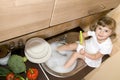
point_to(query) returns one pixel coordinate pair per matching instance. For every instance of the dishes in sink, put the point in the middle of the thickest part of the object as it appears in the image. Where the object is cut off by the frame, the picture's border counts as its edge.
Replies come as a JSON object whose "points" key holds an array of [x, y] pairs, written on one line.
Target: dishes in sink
{"points": [[37, 50]]}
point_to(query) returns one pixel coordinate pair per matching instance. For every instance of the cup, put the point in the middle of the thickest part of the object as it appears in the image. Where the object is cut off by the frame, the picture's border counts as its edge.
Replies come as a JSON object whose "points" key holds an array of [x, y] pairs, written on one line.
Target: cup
{"points": [[4, 54]]}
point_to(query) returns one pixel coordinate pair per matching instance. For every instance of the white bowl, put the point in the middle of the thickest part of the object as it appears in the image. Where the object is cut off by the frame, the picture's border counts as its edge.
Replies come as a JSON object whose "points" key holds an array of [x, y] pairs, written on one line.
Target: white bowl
{"points": [[37, 50], [4, 60]]}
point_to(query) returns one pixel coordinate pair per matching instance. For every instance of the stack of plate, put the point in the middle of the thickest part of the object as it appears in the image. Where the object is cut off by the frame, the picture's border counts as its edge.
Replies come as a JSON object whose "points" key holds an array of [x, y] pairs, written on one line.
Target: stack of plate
{"points": [[37, 50]]}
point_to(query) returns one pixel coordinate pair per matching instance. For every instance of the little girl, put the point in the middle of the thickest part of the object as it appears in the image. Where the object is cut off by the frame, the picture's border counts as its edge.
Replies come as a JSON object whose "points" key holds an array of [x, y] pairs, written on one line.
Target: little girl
{"points": [[94, 48]]}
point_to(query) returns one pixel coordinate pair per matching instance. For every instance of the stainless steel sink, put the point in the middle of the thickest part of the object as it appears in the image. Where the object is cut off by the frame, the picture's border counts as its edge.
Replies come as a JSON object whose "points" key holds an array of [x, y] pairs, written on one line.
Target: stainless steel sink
{"points": [[80, 64]]}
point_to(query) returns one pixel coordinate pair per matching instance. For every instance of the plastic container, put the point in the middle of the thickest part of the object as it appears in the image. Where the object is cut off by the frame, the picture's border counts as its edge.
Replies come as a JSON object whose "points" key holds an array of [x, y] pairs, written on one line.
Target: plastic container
{"points": [[4, 54]]}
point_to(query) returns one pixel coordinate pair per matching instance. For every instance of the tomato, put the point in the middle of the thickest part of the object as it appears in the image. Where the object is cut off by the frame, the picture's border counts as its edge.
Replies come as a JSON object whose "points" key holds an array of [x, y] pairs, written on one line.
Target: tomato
{"points": [[32, 74], [10, 76]]}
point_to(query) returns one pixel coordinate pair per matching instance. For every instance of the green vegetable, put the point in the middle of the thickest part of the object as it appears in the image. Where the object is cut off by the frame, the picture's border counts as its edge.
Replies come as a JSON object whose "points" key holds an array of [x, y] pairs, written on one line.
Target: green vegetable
{"points": [[4, 71], [24, 59], [19, 77], [16, 64]]}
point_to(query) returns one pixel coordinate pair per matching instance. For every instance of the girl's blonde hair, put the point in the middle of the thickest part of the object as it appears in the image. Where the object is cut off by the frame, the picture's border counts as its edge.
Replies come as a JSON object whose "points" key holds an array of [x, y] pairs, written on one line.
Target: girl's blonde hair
{"points": [[106, 22]]}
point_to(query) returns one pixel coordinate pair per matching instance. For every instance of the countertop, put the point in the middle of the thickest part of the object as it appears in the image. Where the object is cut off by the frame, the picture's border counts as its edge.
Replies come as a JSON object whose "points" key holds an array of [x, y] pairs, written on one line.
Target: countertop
{"points": [[77, 76]]}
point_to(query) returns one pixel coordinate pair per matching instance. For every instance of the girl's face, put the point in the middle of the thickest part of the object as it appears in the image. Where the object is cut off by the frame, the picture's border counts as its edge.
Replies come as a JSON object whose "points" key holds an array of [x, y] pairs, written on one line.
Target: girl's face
{"points": [[102, 33]]}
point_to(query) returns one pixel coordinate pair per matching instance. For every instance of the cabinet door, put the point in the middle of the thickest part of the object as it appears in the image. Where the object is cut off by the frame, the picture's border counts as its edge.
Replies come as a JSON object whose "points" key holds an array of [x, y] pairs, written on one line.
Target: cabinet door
{"points": [[66, 10], [19, 17]]}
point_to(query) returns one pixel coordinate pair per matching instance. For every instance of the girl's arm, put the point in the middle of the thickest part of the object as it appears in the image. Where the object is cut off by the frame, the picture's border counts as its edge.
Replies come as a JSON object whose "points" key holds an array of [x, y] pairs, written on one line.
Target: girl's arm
{"points": [[93, 56]]}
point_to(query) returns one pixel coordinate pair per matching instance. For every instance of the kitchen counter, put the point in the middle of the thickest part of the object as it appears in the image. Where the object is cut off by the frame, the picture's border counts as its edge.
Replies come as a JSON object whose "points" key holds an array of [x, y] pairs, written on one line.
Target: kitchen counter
{"points": [[78, 76], [30, 65], [42, 73]]}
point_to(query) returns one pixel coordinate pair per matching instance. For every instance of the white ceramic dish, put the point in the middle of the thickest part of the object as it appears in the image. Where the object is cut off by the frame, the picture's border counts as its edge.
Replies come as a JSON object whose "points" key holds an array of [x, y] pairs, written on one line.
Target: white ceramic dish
{"points": [[4, 61], [37, 50]]}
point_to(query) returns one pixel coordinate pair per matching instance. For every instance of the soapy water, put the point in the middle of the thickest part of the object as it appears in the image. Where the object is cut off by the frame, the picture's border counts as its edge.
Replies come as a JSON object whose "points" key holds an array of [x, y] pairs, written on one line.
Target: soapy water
{"points": [[57, 60]]}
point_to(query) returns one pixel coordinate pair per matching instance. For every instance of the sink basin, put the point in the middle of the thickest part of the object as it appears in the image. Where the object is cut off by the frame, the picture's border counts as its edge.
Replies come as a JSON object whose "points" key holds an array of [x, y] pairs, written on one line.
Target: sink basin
{"points": [[80, 65], [54, 65]]}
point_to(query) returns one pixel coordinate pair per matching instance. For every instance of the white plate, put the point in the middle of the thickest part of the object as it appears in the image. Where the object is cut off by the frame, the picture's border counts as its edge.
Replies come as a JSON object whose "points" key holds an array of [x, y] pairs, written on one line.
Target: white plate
{"points": [[40, 60], [37, 50]]}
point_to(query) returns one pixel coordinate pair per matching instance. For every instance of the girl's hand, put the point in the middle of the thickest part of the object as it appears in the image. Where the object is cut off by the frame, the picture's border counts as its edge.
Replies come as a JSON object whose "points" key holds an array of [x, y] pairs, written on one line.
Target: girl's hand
{"points": [[82, 51]]}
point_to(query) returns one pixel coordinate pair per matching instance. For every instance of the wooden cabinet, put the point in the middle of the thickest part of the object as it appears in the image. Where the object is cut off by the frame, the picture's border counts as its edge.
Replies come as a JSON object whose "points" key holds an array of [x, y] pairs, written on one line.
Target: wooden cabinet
{"points": [[66, 10], [19, 17]]}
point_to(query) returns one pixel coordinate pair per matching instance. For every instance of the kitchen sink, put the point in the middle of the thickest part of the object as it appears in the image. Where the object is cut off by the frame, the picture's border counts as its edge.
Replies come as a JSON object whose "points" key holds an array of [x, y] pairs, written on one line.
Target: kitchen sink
{"points": [[80, 65], [67, 37]]}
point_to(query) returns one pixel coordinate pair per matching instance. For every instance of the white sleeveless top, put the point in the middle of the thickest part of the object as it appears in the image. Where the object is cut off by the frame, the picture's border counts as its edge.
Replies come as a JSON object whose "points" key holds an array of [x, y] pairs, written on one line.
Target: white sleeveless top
{"points": [[92, 47]]}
